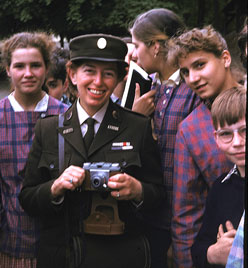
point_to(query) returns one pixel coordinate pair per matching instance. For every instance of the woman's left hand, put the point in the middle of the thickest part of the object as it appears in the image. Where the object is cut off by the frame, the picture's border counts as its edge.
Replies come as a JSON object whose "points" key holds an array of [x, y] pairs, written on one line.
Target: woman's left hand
{"points": [[125, 187]]}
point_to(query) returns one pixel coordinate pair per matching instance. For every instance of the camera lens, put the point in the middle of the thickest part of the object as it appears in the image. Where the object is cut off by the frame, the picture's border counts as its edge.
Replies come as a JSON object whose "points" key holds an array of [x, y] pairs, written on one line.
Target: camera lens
{"points": [[97, 180]]}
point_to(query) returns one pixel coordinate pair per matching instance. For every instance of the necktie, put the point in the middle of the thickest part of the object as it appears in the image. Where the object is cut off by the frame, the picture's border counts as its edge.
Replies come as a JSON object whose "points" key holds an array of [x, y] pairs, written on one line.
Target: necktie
{"points": [[89, 136]]}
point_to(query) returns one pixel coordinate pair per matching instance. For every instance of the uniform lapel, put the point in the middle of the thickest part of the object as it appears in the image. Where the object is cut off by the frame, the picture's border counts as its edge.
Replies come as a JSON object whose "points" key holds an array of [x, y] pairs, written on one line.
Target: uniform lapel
{"points": [[111, 126], [71, 131]]}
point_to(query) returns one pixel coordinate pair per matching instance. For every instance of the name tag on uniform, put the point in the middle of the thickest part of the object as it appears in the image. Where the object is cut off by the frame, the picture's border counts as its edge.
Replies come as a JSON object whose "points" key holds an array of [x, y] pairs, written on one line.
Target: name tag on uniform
{"points": [[67, 131], [115, 128]]}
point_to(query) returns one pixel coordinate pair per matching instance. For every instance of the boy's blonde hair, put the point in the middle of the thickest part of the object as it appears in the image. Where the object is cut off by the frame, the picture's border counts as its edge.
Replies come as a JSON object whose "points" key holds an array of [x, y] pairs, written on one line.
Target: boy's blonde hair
{"points": [[229, 107]]}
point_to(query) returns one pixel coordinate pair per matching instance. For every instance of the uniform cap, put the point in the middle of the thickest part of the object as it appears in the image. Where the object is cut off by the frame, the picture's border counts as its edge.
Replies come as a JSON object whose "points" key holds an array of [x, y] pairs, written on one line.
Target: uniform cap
{"points": [[100, 47]]}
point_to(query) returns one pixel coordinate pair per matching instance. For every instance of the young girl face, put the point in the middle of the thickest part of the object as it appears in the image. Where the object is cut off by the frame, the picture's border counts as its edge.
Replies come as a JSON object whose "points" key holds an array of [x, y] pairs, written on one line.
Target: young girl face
{"points": [[231, 140], [205, 73], [27, 71]]}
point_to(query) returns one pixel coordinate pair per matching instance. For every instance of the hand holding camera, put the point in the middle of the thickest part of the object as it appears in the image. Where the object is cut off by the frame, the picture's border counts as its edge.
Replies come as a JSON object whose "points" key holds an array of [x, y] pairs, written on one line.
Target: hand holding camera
{"points": [[125, 187], [103, 176], [70, 179], [97, 175]]}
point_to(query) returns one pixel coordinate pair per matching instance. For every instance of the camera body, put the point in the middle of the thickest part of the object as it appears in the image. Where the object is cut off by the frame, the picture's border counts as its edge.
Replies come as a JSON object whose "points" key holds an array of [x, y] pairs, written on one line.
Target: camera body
{"points": [[97, 175]]}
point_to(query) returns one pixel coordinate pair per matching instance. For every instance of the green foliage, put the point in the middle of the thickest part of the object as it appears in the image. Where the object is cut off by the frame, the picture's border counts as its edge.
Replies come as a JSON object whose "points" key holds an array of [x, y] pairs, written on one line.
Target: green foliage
{"points": [[68, 18]]}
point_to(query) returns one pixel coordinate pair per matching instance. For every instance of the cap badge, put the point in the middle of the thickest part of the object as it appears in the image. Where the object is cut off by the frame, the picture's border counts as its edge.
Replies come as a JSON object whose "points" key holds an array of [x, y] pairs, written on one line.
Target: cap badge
{"points": [[101, 43]]}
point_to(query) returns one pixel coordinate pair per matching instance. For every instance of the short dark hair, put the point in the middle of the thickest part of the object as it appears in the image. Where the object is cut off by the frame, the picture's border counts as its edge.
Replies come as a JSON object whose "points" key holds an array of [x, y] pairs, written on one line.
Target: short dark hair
{"points": [[57, 69]]}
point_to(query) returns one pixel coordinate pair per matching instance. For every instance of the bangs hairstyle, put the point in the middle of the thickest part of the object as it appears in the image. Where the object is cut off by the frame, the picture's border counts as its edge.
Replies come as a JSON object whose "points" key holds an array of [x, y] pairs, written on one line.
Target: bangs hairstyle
{"points": [[229, 107], [40, 40], [206, 39]]}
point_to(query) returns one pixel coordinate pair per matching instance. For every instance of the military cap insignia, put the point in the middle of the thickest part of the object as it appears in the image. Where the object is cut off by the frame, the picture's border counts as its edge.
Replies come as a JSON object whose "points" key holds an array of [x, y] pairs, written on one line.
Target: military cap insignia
{"points": [[101, 43]]}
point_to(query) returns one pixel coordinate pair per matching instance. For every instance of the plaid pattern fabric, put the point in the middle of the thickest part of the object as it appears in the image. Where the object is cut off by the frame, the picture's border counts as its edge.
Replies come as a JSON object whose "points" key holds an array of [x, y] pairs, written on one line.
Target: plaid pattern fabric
{"points": [[172, 104], [18, 232], [198, 162], [236, 255], [7, 261]]}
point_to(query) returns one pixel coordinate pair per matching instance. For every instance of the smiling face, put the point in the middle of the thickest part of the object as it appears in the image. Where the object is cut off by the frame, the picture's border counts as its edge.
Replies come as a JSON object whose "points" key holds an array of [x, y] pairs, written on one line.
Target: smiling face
{"points": [[235, 149], [27, 71], [205, 73], [95, 82]]}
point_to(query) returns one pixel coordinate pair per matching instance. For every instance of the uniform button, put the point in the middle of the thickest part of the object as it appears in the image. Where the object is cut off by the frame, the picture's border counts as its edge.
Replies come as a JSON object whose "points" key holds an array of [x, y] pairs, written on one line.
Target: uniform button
{"points": [[160, 113], [51, 166], [42, 115], [167, 91], [164, 101], [123, 163]]}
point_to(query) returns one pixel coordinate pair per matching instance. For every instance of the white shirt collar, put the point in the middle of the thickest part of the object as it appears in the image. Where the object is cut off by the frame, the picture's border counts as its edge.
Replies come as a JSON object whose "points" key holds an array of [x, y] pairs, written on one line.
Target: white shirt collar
{"points": [[98, 116], [173, 79], [40, 107], [234, 170]]}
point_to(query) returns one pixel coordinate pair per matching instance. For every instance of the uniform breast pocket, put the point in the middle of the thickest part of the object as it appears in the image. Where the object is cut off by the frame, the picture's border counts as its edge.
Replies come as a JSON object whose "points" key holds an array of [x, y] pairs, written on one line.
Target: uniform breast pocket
{"points": [[48, 165], [124, 158]]}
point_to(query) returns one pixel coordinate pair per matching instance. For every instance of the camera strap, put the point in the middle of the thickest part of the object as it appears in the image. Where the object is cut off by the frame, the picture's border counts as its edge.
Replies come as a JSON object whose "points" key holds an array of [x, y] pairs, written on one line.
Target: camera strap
{"points": [[74, 250], [61, 143]]}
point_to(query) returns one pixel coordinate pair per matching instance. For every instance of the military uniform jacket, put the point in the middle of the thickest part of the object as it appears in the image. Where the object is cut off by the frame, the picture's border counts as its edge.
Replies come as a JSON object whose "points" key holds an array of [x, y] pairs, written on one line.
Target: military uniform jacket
{"points": [[142, 162]]}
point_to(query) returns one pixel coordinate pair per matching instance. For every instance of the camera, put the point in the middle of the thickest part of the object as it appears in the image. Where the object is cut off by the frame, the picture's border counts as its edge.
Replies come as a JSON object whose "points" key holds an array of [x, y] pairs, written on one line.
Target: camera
{"points": [[97, 175]]}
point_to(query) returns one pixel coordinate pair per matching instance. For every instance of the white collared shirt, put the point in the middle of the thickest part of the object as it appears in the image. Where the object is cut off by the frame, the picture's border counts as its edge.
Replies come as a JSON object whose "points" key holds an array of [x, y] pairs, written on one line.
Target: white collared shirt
{"points": [[174, 79], [83, 116], [234, 170], [40, 107]]}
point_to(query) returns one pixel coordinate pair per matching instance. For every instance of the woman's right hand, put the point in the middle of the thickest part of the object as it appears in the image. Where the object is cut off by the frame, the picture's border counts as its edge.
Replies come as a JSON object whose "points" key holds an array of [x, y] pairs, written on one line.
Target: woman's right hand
{"points": [[70, 179], [144, 104]]}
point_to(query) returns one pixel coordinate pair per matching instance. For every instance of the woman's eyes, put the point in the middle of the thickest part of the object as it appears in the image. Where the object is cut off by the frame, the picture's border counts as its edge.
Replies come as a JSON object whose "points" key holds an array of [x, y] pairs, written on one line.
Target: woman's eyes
{"points": [[200, 64], [32, 65], [88, 70], [18, 66], [36, 65], [109, 74], [105, 73]]}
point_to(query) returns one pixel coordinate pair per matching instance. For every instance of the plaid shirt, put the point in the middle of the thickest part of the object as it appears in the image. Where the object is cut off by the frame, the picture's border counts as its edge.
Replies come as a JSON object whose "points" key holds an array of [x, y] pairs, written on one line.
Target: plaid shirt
{"points": [[236, 255], [172, 104], [18, 232], [198, 162]]}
